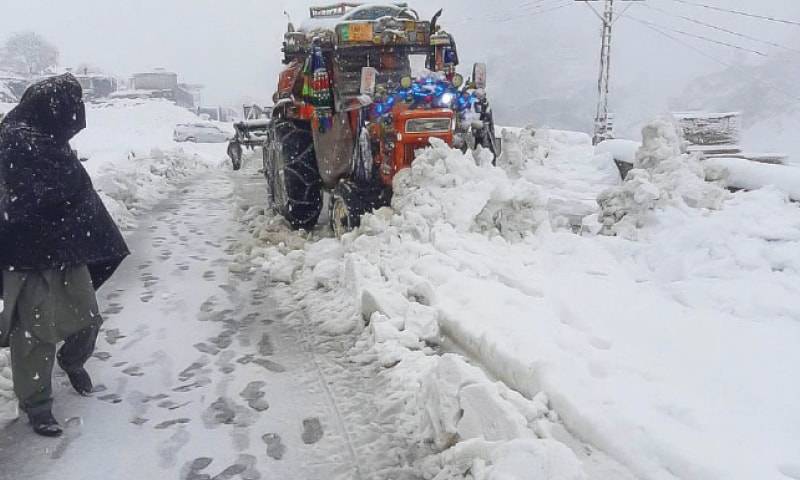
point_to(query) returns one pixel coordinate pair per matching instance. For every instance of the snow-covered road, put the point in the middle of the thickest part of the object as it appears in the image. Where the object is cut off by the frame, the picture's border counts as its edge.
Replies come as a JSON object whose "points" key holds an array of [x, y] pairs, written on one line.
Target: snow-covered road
{"points": [[202, 373]]}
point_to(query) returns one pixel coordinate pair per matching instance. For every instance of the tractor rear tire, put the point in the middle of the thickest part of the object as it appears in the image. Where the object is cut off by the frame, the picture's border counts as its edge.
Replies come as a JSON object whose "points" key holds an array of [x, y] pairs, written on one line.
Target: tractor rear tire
{"points": [[295, 184]]}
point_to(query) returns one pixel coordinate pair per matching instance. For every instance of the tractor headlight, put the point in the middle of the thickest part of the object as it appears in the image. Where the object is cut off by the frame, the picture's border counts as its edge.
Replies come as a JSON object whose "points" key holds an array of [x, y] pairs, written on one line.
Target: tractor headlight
{"points": [[447, 99]]}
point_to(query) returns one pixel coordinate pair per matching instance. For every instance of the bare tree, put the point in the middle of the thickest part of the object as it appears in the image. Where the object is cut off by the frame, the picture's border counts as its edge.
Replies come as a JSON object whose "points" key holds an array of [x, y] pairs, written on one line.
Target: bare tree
{"points": [[28, 53]]}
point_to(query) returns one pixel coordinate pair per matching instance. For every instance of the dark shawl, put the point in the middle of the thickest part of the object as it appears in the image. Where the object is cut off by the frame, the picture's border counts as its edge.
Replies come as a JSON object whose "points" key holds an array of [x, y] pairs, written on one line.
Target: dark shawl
{"points": [[50, 215]]}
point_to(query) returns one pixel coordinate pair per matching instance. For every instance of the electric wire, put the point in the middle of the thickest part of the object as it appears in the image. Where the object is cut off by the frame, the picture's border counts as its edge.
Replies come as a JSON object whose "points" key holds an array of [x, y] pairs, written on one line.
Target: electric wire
{"points": [[509, 17], [552, 8], [740, 12], [701, 37], [713, 58], [541, 7], [721, 29], [527, 6]]}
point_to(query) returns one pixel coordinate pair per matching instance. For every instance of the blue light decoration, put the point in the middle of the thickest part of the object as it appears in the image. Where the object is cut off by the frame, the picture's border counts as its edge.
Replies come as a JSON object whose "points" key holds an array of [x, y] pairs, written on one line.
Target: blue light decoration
{"points": [[429, 92]]}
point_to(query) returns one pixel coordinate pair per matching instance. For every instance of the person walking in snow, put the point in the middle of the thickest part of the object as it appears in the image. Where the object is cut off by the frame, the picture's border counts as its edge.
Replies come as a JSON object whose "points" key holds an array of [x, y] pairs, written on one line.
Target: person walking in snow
{"points": [[58, 244]]}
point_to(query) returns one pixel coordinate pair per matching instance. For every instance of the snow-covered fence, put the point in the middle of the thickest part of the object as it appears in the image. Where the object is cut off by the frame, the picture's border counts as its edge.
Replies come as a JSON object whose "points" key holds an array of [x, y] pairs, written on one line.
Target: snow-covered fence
{"points": [[702, 128]]}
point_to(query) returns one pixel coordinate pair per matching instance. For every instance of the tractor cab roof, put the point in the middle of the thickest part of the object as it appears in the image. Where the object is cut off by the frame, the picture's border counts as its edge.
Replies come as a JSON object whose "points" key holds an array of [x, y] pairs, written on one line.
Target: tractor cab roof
{"points": [[327, 17], [349, 26]]}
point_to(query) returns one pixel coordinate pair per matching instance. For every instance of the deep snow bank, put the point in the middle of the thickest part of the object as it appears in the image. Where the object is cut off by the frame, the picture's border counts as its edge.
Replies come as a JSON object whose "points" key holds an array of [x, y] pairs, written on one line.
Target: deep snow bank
{"points": [[672, 349], [465, 424], [740, 173]]}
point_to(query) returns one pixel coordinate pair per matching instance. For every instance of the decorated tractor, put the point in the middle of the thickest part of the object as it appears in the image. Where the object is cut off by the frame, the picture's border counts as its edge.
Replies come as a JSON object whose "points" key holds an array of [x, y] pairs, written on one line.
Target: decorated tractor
{"points": [[364, 88]]}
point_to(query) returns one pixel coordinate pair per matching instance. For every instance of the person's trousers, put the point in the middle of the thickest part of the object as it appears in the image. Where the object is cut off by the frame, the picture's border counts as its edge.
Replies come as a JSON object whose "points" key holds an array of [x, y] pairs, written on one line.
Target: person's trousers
{"points": [[32, 364]]}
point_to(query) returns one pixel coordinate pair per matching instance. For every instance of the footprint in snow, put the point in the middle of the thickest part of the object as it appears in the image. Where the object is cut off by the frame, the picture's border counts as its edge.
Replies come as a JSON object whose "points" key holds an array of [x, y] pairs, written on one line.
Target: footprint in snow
{"points": [[275, 447], [133, 371], [113, 336], [169, 423], [265, 347], [111, 398], [170, 405], [193, 369], [270, 365], [206, 348], [102, 356], [312, 431], [168, 450], [191, 471], [112, 309], [254, 397], [71, 432], [155, 398]]}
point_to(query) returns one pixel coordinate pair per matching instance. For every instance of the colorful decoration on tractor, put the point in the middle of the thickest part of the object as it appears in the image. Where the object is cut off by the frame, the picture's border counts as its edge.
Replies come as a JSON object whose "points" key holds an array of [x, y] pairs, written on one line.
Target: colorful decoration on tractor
{"points": [[317, 89], [428, 91]]}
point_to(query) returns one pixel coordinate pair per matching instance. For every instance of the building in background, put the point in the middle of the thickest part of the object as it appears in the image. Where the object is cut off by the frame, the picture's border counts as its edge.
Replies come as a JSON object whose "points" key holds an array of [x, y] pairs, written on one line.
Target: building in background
{"points": [[97, 85], [160, 83]]}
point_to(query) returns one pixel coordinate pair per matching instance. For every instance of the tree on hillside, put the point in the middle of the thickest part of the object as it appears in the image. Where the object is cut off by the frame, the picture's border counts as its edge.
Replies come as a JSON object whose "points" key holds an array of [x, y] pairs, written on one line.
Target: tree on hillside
{"points": [[28, 53]]}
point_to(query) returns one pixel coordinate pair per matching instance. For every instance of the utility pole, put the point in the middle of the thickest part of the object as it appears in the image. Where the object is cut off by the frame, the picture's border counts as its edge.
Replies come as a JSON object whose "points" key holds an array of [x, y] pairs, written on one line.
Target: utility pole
{"points": [[603, 120]]}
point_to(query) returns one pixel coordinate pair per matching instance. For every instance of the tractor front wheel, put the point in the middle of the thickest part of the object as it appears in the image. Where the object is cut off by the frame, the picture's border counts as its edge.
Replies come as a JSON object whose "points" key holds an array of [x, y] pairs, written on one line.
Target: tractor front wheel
{"points": [[350, 201]]}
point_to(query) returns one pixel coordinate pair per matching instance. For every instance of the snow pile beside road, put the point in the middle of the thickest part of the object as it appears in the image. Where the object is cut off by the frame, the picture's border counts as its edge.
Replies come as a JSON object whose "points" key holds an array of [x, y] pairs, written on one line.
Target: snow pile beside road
{"points": [[128, 188], [670, 351], [741, 173], [132, 157], [467, 195], [662, 175], [637, 345], [463, 422]]}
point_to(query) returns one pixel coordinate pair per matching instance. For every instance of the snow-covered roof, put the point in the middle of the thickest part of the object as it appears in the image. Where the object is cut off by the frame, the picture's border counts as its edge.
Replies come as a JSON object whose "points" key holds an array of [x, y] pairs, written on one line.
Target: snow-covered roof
{"points": [[705, 115]]}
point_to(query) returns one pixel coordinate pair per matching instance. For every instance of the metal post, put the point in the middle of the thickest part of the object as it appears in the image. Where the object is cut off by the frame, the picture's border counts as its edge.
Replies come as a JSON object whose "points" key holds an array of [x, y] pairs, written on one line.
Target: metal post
{"points": [[601, 127], [603, 124]]}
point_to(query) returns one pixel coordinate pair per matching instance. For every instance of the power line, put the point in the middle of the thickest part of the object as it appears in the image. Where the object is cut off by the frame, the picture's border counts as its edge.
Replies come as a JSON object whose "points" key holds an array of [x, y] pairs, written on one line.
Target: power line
{"points": [[508, 17], [544, 9], [739, 12], [721, 29], [713, 58], [701, 37], [529, 5], [526, 7]]}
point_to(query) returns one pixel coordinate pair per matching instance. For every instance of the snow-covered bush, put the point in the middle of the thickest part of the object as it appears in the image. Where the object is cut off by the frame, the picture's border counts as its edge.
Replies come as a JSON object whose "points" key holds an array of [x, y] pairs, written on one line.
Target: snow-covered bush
{"points": [[663, 175]]}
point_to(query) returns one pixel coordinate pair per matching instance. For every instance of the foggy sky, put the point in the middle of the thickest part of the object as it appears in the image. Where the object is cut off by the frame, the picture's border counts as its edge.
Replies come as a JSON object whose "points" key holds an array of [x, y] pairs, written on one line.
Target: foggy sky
{"points": [[232, 46]]}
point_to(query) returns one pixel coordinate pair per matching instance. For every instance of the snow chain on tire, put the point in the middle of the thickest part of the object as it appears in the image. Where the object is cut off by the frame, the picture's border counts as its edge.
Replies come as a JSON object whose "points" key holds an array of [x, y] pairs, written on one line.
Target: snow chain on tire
{"points": [[302, 200]]}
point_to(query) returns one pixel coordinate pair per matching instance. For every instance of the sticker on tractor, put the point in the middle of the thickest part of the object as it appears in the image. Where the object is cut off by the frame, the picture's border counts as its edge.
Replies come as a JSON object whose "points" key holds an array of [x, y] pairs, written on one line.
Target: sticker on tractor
{"points": [[369, 77], [357, 32]]}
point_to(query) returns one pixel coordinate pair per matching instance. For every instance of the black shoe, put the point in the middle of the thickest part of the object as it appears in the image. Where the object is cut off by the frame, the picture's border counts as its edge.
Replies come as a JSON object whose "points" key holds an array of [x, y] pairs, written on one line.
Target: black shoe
{"points": [[45, 424], [81, 381]]}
